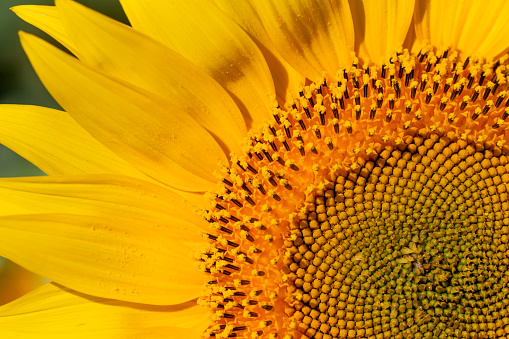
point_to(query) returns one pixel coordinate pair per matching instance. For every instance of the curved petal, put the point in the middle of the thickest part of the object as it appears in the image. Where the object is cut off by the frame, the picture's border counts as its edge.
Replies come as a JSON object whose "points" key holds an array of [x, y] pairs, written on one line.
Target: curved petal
{"points": [[172, 148], [380, 27], [313, 36], [54, 142], [472, 27], [125, 198], [119, 51], [58, 145], [202, 33], [287, 80], [55, 312], [493, 40], [47, 19], [103, 256]]}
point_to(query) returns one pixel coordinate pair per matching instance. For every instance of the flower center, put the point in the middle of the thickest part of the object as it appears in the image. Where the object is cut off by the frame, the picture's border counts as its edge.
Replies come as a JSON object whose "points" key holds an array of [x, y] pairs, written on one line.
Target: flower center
{"points": [[373, 205], [411, 243]]}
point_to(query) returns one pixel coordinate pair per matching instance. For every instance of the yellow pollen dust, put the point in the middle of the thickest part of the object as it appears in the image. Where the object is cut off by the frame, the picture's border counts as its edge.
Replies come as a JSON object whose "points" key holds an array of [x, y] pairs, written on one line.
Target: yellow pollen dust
{"points": [[374, 205]]}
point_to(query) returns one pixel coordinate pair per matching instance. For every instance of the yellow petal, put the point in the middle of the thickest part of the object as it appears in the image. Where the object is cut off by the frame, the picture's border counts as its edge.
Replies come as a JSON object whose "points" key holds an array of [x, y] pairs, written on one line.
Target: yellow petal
{"points": [[287, 80], [313, 36], [125, 198], [57, 144], [411, 42], [380, 27], [118, 50], [163, 142], [472, 27], [47, 19], [103, 256], [199, 31], [55, 312], [196, 199]]}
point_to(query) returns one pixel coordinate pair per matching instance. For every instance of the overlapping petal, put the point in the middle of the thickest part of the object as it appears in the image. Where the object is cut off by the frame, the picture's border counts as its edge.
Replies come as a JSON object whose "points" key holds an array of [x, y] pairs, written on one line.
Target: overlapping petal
{"points": [[313, 36], [286, 79], [55, 312], [47, 19], [127, 199], [161, 141], [126, 239], [380, 27], [473, 27], [119, 238], [103, 256], [119, 51], [202, 33], [54, 142]]}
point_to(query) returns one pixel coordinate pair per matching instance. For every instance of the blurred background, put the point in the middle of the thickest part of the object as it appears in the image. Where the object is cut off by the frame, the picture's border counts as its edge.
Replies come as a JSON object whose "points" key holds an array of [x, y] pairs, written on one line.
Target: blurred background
{"points": [[20, 85]]}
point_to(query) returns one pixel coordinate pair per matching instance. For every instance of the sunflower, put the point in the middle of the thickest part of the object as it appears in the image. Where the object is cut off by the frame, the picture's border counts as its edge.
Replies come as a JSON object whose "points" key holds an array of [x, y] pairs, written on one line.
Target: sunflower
{"points": [[263, 169]]}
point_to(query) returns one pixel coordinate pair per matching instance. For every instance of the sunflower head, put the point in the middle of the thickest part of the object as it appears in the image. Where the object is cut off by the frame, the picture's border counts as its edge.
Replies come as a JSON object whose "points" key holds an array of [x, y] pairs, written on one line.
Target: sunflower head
{"points": [[383, 198], [259, 169]]}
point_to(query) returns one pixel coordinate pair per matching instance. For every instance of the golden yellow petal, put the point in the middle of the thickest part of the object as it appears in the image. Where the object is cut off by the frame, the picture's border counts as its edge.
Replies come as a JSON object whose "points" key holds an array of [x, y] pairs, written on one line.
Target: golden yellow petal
{"points": [[55, 312], [411, 42], [286, 79], [311, 35], [47, 19], [202, 33], [161, 141], [472, 27], [103, 256], [196, 199], [127, 199], [380, 27], [54, 142], [119, 51]]}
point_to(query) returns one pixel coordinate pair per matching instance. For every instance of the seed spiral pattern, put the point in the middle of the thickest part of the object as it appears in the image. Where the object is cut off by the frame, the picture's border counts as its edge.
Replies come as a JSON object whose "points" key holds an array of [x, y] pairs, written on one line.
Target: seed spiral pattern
{"points": [[374, 205], [413, 245]]}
